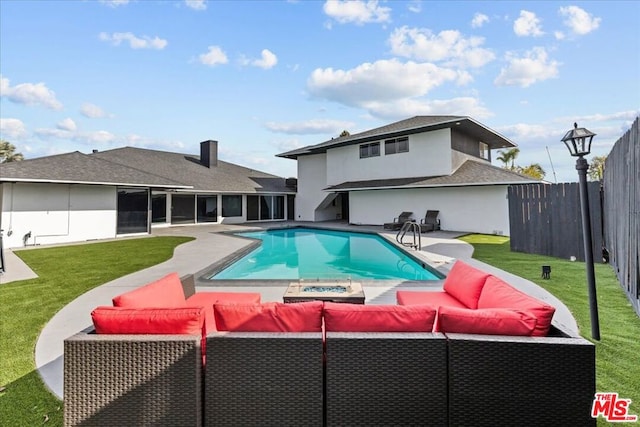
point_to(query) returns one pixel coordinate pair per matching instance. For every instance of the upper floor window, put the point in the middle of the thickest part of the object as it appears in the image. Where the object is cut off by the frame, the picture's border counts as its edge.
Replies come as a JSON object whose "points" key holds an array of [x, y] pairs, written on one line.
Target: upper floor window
{"points": [[369, 150], [398, 145], [484, 151]]}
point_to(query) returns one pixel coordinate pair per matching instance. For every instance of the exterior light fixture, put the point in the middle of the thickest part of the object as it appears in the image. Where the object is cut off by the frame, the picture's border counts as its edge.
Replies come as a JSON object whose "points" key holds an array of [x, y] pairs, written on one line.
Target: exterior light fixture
{"points": [[578, 141]]}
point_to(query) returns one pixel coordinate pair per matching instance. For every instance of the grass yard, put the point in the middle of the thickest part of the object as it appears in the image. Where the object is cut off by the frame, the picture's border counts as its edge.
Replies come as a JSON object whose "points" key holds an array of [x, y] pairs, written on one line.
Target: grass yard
{"points": [[65, 273], [618, 351], [69, 271]]}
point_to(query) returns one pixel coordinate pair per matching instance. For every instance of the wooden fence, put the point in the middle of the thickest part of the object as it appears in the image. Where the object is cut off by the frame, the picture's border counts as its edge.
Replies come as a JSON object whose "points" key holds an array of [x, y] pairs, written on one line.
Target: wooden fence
{"points": [[545, 219], [622, 211]]}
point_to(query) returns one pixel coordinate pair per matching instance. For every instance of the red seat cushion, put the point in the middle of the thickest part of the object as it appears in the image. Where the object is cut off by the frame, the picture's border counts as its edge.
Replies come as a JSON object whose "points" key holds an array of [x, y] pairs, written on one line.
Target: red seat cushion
{"points": [[208, 299], [488, 321], [166, 292], [269, 317], [465, 283], [340, 317], [435, 299], [117, 320], [499, 294]]}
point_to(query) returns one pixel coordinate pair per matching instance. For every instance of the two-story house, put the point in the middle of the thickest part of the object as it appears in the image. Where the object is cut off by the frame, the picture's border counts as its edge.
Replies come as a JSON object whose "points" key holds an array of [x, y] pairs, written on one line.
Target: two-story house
{"points": [[423, 163]]}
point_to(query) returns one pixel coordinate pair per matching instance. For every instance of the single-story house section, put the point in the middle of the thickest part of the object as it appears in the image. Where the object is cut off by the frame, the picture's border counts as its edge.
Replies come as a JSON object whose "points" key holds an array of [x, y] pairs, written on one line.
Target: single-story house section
{"points": [[77, 197], [423, 163]]}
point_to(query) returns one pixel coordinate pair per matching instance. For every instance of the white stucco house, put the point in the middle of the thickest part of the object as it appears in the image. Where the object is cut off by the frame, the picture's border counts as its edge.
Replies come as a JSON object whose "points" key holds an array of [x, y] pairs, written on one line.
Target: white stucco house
{"points": [[78, 197], [423, 163]]}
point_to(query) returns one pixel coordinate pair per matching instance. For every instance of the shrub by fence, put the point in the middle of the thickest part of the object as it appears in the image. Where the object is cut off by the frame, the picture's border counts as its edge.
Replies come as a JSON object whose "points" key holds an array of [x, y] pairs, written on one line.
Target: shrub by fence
{"points": [[545, 219], [622, 211]]}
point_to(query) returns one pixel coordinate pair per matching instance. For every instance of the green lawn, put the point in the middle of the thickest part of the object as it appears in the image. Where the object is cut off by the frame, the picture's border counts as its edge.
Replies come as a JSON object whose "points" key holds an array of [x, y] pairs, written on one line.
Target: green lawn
{"points": [[618, 351], [64, 274], [67, 272]]}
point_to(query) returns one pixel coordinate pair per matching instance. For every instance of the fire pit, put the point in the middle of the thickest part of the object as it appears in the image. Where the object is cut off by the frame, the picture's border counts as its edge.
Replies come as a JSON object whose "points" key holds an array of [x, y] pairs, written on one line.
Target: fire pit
{"points": [[350, 292]]}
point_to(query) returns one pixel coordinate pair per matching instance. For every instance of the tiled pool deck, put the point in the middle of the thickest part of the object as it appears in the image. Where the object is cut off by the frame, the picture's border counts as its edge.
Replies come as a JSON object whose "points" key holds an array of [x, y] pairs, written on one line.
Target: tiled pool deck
{"points": [[440, 249]]}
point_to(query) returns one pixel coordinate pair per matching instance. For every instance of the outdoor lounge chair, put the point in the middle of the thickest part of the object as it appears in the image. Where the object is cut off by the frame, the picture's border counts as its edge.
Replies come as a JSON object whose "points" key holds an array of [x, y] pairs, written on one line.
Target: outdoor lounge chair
{"points": [[430, 222], [397, 222]]}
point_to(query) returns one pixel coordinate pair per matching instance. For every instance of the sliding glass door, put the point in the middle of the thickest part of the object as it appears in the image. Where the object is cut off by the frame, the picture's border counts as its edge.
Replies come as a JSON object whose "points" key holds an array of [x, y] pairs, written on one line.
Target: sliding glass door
{"points": [[133, 211], [265, 208]]}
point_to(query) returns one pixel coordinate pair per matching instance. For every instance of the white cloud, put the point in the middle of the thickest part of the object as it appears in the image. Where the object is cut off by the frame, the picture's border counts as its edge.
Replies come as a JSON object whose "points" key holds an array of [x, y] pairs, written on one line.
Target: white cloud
{"points": [[357, 11], [310, 127], [528, 24], [559, 35], [67, 124], [144, 42], [288, 144], [449, 46], [214, 56], [403, 108], [479, 19], [370, 81], [524, 71], [12, 129], [92, 111], [196, 4], [415, 6], [114, 3], [578, 20], [37, 94], [267, 61]]}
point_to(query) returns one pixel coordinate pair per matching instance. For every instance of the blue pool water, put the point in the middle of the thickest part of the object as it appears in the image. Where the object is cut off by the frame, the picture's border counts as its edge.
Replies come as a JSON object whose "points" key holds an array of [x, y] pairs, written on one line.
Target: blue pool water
{"points": [[300, 253]]}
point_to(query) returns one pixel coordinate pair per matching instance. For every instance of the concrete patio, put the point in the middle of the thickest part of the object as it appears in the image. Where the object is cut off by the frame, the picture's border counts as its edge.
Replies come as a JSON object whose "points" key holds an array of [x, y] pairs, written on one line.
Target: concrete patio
{"points": [[440, 249]]}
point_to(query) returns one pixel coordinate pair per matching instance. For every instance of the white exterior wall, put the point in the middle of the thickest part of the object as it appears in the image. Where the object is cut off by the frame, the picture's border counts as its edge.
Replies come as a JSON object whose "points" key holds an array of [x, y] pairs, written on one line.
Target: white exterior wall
{"points": [[481, 209], [312, 178], [429, 154], [57, 213]]}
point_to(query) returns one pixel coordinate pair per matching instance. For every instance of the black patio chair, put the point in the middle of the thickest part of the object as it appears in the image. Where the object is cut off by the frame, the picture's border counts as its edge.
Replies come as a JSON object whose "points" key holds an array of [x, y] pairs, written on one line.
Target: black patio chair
{"points": [[397, 222], [430, 222]]}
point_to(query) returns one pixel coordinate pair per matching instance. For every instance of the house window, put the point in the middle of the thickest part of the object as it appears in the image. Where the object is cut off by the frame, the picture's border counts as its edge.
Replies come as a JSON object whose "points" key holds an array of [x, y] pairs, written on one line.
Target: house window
{"points": [[231, 206], [265, 207], [133, 210], [183, 209], [158, 208], [398, 145], [484, 151], [207, 208], [369, 150]]}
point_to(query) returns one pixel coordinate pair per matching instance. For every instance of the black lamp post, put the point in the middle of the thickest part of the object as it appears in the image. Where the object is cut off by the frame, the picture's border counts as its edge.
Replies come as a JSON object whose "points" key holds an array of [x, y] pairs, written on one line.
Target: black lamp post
{"points": [[578, 141]]}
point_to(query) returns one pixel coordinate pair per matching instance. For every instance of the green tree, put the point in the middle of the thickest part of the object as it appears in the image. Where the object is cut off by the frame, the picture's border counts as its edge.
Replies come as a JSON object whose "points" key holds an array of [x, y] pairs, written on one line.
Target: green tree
{"points": [[596, 168], [508, 157], [534, 170], [8, 152], [345, 133]]}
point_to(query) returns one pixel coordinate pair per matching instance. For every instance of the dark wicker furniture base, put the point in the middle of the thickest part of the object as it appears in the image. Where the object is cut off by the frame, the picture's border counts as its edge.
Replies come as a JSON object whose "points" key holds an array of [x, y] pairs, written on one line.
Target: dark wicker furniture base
{"points": [[127, 380], [386, 379], [520, 381], [264, 379]]}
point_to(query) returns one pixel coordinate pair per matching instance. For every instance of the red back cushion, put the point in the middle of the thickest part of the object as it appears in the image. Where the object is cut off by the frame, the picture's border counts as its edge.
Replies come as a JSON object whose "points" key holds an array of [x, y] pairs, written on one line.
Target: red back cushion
{"points": [[116, 320], [340, 317], [465, 283], [166, 292], [489, 321], [269, 317], [499, 294]]}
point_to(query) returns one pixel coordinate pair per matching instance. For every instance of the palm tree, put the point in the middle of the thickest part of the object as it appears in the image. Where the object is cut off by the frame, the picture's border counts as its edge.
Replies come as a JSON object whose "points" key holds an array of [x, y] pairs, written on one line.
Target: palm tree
{"points": [[8, 152], [534, 170], [596, 169], [508, 157]]}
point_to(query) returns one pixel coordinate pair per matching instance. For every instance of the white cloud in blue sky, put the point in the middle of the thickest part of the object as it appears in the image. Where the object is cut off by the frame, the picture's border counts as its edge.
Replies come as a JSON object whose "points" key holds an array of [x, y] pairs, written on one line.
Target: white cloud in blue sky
{"points": [[264, 77]]}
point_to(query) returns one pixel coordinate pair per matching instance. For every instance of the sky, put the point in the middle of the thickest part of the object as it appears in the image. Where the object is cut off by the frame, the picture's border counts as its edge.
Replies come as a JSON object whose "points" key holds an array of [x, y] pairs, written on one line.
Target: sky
{"points": [[265, 77]]}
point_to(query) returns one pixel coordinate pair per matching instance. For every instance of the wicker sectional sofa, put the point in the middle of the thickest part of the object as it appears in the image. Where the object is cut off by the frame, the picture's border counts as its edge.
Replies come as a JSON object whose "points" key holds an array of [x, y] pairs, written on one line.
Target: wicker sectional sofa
{"points": [[327, 364]]}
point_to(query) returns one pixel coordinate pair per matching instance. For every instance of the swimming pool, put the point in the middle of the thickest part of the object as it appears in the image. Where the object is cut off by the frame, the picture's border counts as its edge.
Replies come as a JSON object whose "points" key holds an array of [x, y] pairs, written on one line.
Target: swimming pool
{"points": [[306, 253]]}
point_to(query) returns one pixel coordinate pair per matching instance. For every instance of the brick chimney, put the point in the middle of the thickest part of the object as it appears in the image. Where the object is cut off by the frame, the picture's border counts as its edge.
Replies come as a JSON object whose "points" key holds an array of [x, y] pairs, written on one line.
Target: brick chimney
{"points": [[209, 153]]}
